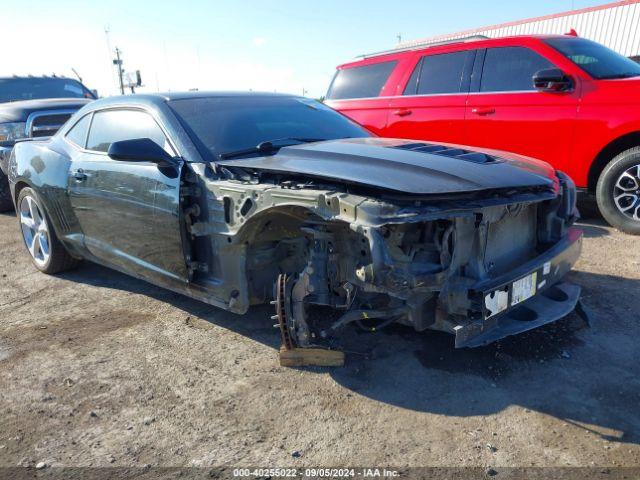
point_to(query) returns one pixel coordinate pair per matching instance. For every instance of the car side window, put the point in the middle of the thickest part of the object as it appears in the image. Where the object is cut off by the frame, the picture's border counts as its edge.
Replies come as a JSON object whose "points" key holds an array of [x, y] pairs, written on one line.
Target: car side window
{"points": [[438, 74], [508, 69], [110, 126], [360, 82], [78, 133]]}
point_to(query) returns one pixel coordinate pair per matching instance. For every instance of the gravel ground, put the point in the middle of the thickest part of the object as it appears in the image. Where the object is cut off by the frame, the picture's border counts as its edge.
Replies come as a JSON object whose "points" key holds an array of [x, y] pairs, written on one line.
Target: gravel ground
{"points": [[99, 369]]}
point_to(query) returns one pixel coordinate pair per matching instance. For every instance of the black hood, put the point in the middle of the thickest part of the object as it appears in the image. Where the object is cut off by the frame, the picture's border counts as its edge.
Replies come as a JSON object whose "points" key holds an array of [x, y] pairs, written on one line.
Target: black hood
{"points": [[19, 111], [404, 166]]}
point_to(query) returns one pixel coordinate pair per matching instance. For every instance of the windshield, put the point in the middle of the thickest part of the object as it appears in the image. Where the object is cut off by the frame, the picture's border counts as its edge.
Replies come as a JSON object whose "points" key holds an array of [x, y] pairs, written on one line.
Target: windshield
{"points": [[16, 89], [220, 125], [597, 60]]}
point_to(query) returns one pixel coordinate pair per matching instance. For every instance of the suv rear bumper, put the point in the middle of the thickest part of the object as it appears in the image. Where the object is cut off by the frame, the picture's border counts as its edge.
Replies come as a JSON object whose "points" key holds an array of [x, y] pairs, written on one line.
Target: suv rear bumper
{"points": [[550, 301]]}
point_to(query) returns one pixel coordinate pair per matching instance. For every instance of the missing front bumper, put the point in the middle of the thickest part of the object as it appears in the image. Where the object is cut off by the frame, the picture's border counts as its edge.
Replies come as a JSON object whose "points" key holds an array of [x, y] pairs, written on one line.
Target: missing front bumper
{"points": [[549, 306], [525, 298]]}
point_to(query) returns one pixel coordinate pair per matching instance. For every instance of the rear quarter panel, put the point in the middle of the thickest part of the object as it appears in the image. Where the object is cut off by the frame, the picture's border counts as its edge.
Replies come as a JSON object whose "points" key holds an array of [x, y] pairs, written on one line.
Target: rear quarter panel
{"points": [[44, 166]]}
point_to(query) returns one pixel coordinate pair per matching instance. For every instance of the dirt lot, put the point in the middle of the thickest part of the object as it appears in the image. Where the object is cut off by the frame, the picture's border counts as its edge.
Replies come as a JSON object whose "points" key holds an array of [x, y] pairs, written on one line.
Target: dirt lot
{"points": [[98, 369]]}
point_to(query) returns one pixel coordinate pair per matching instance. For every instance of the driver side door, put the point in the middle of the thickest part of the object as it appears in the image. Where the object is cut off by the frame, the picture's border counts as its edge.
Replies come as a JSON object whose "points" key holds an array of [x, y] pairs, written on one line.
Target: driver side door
{"points": [[129, 212]]}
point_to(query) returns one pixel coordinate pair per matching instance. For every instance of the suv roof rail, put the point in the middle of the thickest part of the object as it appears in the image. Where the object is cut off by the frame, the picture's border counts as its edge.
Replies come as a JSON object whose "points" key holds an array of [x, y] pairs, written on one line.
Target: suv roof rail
{"points": [[419, 46]]}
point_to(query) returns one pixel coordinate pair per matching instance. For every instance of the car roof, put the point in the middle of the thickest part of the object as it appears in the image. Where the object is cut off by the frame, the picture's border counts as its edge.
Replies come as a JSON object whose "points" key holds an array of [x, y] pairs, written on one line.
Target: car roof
{"points": [[453, 43], [209, 94], [158, 98]]}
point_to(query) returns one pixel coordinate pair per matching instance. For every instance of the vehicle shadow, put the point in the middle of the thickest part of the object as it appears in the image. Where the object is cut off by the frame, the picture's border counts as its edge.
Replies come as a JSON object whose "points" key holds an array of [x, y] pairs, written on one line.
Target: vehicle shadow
{"points": [[594, 227], [577, 374], [256, 324], [591, 221], [588, 377]]}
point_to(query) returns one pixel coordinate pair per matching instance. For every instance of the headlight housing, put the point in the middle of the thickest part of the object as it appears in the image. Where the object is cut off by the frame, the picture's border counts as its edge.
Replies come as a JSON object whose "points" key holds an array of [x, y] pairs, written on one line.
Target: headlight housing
{"points": [[10, 132]]}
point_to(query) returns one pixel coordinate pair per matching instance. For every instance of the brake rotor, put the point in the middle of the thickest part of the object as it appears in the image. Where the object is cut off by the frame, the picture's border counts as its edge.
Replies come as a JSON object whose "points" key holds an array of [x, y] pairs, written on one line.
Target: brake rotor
{"points": [[283, 314]]}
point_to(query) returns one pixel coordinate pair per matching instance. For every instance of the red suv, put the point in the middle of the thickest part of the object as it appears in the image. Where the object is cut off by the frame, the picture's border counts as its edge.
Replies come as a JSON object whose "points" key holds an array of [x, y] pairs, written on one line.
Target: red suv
{"points": [[563, 99]]}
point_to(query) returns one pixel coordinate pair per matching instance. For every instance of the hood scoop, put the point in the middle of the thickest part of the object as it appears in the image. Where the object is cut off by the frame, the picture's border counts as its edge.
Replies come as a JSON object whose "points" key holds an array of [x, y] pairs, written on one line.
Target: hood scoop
{"points": [[476, 157]]}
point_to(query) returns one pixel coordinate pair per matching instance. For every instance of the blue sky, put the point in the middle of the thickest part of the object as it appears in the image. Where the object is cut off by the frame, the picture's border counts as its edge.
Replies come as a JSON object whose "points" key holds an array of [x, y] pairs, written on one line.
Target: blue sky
{"points": [[281, 45]]}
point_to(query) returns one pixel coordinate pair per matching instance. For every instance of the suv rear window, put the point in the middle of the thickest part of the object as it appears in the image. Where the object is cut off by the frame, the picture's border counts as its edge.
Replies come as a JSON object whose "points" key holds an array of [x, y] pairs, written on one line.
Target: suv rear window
{"points": [[437, 74], [360, 82], [508, 69]]}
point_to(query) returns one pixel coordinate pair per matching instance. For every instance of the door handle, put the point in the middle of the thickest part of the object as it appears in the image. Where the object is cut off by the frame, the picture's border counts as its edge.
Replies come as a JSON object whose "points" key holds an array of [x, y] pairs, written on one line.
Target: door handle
{"points": [[403, 112], [483, 110], [79, 175]]}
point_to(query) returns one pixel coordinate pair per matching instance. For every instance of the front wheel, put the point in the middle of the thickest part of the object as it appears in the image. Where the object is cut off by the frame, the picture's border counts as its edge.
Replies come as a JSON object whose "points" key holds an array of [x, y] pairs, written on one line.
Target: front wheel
{"points": [[47, 253], [618, 191]]}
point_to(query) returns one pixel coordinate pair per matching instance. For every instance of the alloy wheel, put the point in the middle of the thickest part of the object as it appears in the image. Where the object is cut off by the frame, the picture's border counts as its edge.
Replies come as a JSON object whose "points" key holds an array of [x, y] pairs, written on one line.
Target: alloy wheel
{"points": [[626, 193], [35, 230]]}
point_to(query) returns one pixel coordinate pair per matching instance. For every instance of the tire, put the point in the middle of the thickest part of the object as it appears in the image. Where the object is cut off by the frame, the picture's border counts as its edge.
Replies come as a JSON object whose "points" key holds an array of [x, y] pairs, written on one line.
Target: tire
{"points": [[6, 205], [47, 253], [618, 191]]}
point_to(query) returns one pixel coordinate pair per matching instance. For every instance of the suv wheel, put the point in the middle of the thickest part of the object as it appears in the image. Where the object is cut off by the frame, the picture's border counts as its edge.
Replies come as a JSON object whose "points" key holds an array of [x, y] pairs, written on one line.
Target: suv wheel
{"points": [[618, 191], [5, 194], [47, 253]]}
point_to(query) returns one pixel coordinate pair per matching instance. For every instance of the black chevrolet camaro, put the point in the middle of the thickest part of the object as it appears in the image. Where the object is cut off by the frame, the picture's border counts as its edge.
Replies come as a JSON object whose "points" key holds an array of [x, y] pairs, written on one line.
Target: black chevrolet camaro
{"points": [[239, 199]]}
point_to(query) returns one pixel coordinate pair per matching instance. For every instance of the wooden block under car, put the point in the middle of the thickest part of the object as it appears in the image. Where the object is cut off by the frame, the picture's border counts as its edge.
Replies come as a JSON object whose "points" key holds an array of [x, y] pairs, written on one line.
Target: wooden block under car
{"points": [[301, 357]]}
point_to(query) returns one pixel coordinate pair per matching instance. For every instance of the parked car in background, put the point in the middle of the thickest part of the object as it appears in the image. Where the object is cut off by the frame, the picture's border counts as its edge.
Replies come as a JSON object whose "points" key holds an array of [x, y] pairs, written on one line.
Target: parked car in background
{"points": [[34, 107], [566, 100], [227, 197]]}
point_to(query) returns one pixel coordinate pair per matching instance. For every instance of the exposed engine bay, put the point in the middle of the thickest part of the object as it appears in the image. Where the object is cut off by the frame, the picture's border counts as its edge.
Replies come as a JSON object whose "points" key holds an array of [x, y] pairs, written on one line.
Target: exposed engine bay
{"points": [[329, 255]]}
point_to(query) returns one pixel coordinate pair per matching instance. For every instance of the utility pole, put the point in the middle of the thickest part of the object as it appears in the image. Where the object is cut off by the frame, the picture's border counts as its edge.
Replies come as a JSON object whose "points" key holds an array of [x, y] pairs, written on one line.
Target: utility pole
{"points": [[118, 61], [304, 92], [399, 37]]}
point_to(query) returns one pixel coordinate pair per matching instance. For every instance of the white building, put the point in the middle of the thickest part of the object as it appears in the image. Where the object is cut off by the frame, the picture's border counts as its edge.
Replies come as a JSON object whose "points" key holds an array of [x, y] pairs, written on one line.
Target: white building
{"points": [[616, 25]]}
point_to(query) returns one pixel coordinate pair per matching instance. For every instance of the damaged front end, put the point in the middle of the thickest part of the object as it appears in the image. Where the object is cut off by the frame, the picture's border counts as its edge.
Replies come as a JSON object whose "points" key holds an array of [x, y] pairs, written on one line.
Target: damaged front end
{"points": [[481, 275], [478, 265]]}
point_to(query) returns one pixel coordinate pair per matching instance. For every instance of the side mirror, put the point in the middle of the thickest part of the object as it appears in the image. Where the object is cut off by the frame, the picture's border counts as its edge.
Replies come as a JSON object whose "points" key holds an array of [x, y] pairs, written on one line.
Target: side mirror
{"points": [[552, 80], [140, 150]]}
